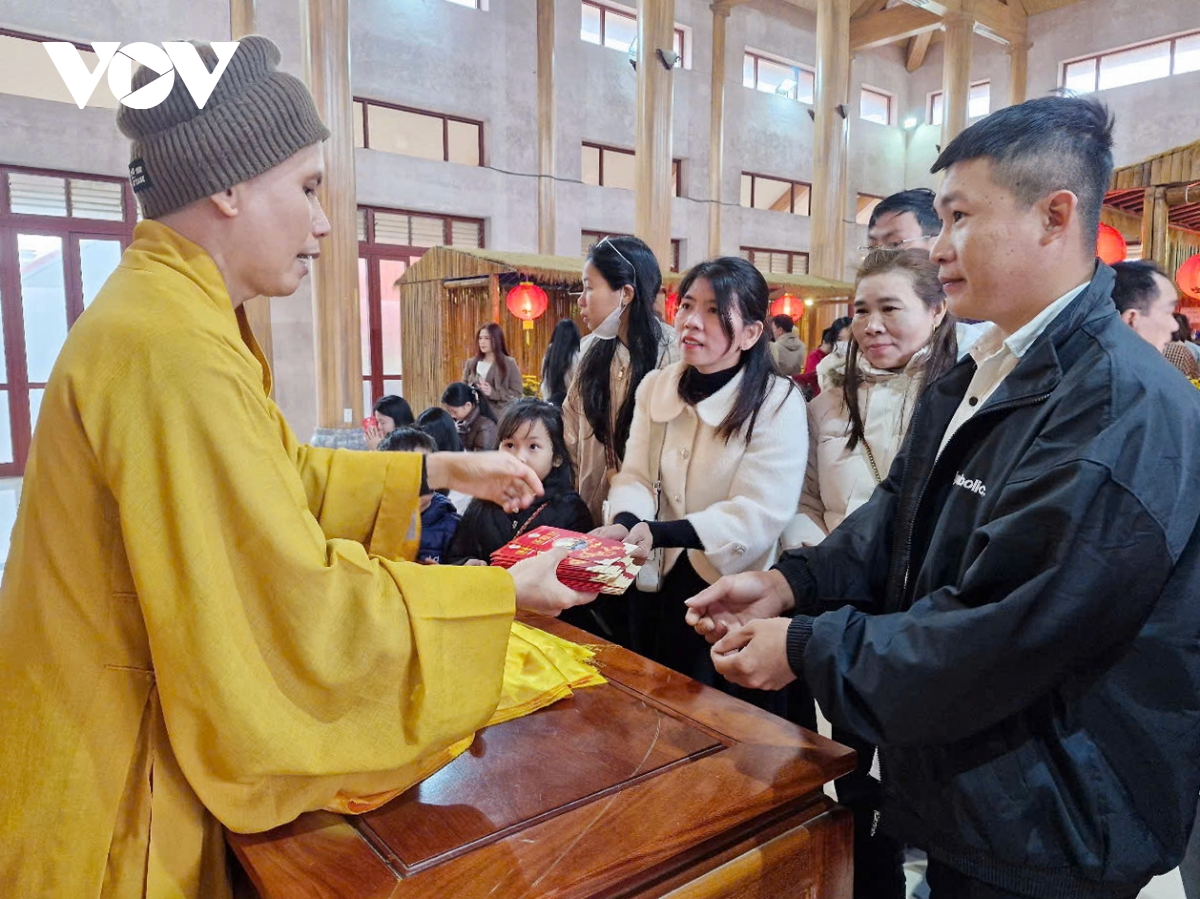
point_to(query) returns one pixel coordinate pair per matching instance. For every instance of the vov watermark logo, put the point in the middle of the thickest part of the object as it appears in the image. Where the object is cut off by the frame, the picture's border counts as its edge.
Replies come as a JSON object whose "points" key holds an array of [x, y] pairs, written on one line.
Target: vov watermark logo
{"points": [[173, 57]]}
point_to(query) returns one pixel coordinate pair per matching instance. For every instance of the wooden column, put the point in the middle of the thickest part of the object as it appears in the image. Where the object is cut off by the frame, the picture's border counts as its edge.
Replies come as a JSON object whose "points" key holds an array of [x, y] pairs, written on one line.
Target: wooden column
{"points": [[716, 127], [243, 21], [652, 193], [1018, 55], [956, 74], [831, 143], [1158, 213], [326, 42], [546, 155]]}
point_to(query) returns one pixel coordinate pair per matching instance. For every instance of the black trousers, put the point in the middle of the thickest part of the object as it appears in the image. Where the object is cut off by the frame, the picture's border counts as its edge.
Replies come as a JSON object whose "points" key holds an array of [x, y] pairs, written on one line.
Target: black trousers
{"points": [[947, 883], [658, 631]]}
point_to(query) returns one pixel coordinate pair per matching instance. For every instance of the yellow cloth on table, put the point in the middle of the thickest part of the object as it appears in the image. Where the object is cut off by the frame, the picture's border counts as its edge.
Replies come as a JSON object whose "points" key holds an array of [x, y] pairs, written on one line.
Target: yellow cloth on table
{"points": [[539, 670], [202, 621]]}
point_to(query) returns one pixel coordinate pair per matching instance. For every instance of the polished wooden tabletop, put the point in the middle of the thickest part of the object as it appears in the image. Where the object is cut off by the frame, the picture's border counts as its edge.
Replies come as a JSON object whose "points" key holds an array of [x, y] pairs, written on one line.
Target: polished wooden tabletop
{"points": [[632, 788]]}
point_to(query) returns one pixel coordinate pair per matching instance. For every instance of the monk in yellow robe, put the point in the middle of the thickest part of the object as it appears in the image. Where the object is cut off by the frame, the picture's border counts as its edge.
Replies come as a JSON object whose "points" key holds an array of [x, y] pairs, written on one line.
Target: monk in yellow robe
{"points": [[202, 621]]}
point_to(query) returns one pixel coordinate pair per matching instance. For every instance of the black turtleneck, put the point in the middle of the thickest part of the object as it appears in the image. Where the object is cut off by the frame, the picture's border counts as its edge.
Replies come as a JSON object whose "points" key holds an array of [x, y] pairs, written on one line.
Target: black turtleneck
{"points": [[694, 387]]}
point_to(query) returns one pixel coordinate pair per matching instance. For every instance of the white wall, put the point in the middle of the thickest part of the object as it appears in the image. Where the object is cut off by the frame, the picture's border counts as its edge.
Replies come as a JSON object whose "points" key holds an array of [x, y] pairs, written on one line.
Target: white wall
{"points": [[1150, 117]]}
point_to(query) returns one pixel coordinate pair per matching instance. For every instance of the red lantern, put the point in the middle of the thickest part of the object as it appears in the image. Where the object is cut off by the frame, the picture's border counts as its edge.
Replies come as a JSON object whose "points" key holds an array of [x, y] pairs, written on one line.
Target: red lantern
{"points": [[1110, 245], [1188, 277], [527, 301], [671, 307], [789, 305]]}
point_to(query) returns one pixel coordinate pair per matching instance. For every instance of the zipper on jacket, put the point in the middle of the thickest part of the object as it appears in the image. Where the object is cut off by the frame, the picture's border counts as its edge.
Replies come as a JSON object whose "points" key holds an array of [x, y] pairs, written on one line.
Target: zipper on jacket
{"points": [[912, 524]]}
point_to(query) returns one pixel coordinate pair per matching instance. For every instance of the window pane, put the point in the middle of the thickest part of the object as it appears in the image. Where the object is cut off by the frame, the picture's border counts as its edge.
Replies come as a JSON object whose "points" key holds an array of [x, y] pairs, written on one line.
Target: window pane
{"points": [[676, 180], [408, 133], [866, 205], [778, 263], [619, 169], [390, 271], [747, 181], [1133, 66], [772, 194], [464, 142], [466, 234], [364, 319], [361, 219], [1080, 77], [391, 227], [748, 71], [799, 263], [875, 107], [97, 200], [393, 387], [979, 101], [746, 254], [802, 199], [806, 89], [937, 106], [26, 70], [678, 48], [474, 4], [619, 30], [43, 300], [591, 165], [6, 447], [97, 260], [590, 30], [35, 406], [772, 76], [359, 132], [368, 399], [428, 231], [1187, 54], [37, 194]]}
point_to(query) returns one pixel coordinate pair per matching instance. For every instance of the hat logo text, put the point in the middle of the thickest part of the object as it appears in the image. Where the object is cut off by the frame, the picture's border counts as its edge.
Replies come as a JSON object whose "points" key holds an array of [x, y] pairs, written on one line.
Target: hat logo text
{"points": [[171, 58]]}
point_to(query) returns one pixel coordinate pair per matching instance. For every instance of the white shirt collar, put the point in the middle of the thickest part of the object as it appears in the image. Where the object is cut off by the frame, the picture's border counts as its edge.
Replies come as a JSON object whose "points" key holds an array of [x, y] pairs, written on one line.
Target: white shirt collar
{"points": [[1019, 342]]}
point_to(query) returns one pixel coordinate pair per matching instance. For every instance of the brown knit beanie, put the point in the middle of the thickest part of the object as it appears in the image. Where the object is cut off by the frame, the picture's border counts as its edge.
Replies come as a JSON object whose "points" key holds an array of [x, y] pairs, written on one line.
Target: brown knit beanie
{"points": [[256, 118]]}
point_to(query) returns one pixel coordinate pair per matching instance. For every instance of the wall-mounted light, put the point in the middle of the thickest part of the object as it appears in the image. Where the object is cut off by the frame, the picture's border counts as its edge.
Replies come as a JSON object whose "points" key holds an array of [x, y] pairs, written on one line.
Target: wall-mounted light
{"points": [[910, 123]]}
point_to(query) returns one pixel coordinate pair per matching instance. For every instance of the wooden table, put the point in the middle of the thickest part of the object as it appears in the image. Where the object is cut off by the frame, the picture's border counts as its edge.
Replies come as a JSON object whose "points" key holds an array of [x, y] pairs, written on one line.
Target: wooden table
{"points": [[649, 786]]}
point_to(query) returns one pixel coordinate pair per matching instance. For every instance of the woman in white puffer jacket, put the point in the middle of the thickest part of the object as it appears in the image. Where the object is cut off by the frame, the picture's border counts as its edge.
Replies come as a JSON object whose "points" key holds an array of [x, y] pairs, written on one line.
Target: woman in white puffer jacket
{"points": [[902, 339]]}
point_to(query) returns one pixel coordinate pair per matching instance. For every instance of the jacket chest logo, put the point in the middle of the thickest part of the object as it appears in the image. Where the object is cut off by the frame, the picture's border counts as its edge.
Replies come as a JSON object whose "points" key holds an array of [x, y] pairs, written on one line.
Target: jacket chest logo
{"points": [[975, 486]]}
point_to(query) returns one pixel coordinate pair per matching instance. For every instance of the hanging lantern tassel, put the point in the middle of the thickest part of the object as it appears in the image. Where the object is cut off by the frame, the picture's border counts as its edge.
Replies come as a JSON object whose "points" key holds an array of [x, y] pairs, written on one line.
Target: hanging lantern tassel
{"points": [[527, 302]]}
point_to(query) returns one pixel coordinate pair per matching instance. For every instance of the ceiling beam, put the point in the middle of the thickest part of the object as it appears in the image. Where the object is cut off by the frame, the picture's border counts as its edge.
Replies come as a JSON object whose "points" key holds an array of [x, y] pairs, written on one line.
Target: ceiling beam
{"points": [[866, 7], [918, 45], [891, 25]]}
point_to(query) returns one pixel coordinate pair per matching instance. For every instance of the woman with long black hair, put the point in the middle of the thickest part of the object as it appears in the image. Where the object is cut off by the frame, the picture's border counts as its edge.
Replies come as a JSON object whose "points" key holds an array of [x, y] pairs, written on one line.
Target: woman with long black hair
{"points": [[558, 365], [714, 463], [621, 278]]}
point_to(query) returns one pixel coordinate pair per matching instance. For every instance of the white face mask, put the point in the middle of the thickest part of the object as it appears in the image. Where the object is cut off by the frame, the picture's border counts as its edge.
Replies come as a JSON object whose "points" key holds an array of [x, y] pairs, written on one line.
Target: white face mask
{"points": [[842, 347], [608, 328]]}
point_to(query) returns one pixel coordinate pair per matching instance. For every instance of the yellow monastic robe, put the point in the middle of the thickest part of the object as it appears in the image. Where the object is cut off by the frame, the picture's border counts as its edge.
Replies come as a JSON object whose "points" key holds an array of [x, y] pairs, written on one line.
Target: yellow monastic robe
{"points": [[204, 622]]}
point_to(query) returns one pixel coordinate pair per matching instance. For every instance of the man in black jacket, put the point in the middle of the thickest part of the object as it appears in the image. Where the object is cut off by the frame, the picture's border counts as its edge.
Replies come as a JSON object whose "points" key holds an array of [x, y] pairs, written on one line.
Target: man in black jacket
{"points": [[1014, 616]]}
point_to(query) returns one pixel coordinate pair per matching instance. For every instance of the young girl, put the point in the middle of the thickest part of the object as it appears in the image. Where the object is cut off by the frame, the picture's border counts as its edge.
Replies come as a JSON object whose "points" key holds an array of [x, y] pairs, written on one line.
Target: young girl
{"points": [[532, 431], [472, 414]]}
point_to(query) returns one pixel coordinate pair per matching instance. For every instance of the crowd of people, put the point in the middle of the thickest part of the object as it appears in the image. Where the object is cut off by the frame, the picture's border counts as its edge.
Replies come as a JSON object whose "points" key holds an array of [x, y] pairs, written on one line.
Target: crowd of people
{"points": [[966, 527]]}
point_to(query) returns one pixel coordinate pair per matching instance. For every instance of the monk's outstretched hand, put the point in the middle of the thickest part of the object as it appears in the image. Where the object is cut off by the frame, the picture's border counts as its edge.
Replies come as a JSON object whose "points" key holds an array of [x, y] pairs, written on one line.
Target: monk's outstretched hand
{"points": [[500, 477]]}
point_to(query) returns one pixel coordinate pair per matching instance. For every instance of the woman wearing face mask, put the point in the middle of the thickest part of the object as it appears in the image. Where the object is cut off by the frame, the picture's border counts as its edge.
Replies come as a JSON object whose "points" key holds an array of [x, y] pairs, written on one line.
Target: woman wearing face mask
{"points": [[715, 437], [620, 281], [492, 370], [832, 337], [903, 339]]}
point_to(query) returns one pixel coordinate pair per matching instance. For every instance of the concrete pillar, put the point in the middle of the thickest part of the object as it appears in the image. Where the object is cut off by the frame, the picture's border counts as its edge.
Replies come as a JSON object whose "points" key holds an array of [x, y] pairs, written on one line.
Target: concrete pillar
{"points": [[716, 129], [326, 42], [831, 144], [546, 118], [956, 74], [653, 183]]}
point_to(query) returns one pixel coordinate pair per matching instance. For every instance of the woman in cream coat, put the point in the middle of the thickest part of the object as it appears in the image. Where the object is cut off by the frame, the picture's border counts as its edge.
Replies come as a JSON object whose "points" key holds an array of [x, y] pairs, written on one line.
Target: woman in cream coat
{"points": [[721, 430]]}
